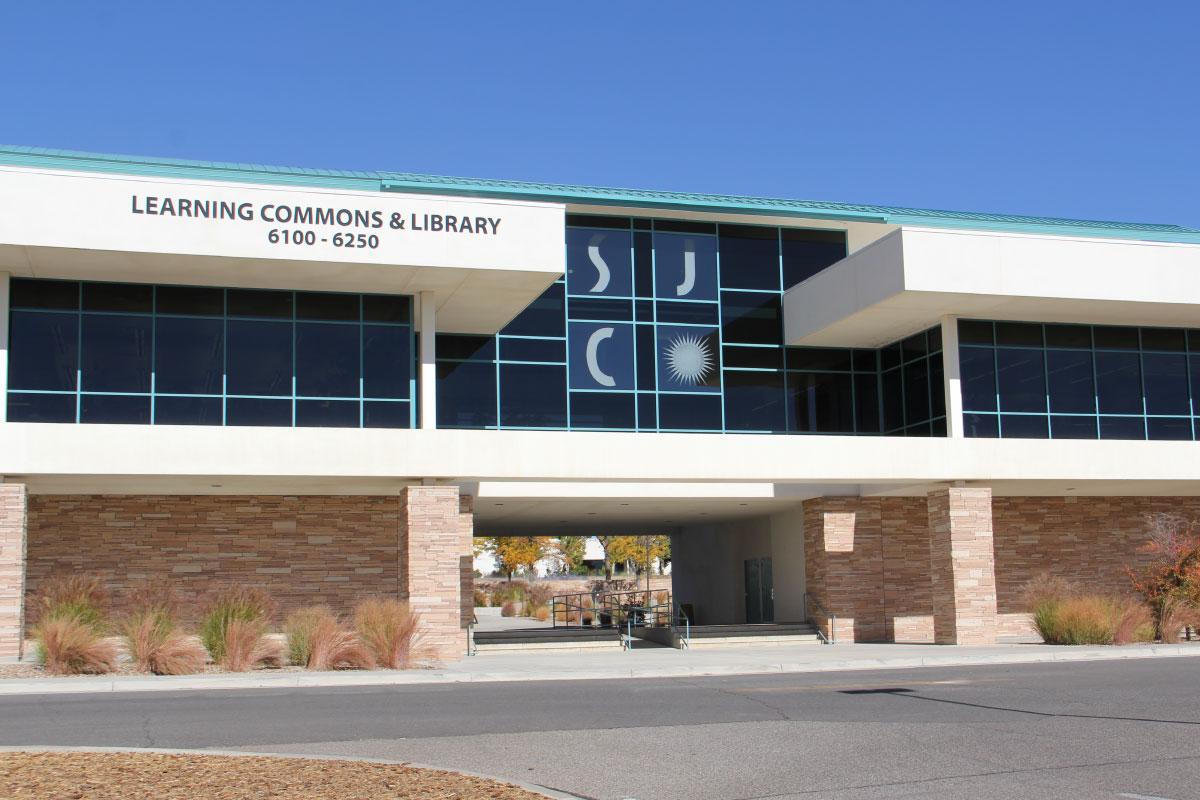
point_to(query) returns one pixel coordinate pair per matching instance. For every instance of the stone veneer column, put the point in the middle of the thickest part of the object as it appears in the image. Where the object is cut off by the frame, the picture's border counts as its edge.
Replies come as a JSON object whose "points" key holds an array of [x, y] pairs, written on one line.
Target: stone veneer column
{"points": [[962, 566], [13, 527], [434, 535]]}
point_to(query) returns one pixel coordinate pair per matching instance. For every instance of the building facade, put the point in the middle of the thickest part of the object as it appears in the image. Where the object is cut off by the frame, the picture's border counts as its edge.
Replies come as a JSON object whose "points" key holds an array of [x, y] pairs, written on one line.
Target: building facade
{"points": [[324, 382]]}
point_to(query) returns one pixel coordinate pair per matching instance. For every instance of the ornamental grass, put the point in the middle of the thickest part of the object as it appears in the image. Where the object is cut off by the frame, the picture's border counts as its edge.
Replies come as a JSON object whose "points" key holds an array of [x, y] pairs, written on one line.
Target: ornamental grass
{"points": [[225, 605], [73, 645], [318, 640], [158, 646], [245, 646], [390, 630]]}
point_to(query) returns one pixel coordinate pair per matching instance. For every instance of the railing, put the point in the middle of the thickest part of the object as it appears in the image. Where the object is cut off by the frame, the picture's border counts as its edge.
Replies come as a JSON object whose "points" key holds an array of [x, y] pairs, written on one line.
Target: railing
{"points": [[832, 638], [621, 610]]}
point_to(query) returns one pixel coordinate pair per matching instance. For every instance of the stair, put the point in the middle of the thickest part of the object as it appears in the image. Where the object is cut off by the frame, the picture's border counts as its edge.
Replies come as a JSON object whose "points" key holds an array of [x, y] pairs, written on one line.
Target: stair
{"points": [[547, 639], [772, 633]]}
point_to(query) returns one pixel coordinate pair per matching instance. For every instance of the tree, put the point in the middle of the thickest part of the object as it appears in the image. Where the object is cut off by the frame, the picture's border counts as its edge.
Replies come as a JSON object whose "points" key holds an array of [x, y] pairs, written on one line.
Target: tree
{"points": [[515, 552], [1173, 544], [610, 545], [569, 552]]}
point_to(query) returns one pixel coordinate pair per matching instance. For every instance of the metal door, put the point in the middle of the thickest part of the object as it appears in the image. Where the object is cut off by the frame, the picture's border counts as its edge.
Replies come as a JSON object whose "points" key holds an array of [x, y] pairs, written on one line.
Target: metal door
{"points": [[767, 582], [753, 592]]}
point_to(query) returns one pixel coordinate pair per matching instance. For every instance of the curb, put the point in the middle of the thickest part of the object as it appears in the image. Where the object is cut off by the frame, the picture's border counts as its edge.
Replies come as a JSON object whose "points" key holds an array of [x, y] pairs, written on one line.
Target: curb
{"points": [[533, 788], [300, 680]]}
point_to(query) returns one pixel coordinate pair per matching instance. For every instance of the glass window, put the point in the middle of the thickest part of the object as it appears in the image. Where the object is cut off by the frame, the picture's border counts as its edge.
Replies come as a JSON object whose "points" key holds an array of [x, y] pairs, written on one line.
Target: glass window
{"points": [[893, 400], [689, 359], [600, 308], [982, 426], [543, 317], [647, 409], [1074, 427], [1021, 380], [189, 356], [1023, 426], [29, 293], [974, 332], [114, 409], [533, 396], [589, 221], [259, 360], [646, 360], [1118, 383], [754, 357], [259, 303], [552, 350], [327, 360], [327, 413], [1072, 390], [1122, 428], [689, 313], [386, 308], [1164, 339], [1018, 334], [1114, 338], [916, 392], [190, 300], [643, 310], [689, 412], [602, 410], [755, 401], [866, 403], [601, 356], [327, 306], [41, 407], [820, 402], [465, 348], [643, 265], [599, 263], [388, 415], [1166, 381], [43, 351], [187, 411], [132, 297], [752, 318], [806, 252], [115, 356], [258, 411], [749, 257], [820, 358], [386, 360], [1069, 336], [685, 267], [466, 394], [1165, 429], [914, 347], [978, 368], [937, 388]]}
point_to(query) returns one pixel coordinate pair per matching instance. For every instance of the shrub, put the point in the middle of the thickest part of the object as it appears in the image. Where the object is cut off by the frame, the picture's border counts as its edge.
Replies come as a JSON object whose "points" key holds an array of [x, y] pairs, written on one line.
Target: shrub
{"points": [[511, 591], [509, 609], [1175, 616], [539, 594], [156, 644], [245, 645], [542, 614], [1091, 619], [1046, 587], [318, 640], [390, 630], [1131, 621], [662, 598], [1173, 569], [227, 604], [78, 597], [73, 645], [481, 599]]}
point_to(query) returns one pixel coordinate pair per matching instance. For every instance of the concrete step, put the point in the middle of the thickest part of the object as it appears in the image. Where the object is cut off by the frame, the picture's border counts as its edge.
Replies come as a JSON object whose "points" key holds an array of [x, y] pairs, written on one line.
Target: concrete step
{"points": [[753, 641]]}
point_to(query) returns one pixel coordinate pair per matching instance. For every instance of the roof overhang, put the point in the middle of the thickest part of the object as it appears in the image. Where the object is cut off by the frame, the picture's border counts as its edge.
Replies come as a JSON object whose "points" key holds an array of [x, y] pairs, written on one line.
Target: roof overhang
{"points": [[908, 280]]}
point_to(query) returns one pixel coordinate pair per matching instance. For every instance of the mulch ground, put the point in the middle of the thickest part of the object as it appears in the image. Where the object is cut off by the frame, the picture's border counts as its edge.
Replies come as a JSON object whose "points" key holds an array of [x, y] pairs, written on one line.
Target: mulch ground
{"points": [[159, 776]]}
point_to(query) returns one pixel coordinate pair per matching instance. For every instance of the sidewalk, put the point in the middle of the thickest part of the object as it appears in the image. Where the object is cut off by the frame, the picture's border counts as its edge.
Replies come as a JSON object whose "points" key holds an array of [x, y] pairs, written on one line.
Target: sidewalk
{"points": [[609, 664]]}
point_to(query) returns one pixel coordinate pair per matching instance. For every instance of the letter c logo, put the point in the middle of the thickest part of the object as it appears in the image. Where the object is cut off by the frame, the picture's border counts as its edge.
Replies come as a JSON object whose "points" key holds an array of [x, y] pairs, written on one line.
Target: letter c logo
{"points": [[601, 377]]}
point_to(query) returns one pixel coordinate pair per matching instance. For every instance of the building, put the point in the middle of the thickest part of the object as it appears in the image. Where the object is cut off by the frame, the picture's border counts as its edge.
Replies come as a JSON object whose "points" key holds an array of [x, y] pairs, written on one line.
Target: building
{"points": [[325, 381]]}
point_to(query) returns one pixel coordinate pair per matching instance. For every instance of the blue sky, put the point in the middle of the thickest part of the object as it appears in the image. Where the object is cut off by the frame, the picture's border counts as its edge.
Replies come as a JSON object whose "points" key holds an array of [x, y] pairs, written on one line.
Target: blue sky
{"points": [[1077, 109]]}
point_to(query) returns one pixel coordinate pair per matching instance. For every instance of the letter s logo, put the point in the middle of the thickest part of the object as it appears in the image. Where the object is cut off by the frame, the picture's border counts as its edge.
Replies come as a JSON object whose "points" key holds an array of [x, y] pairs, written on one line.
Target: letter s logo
{"points": [[593, 366], [598, 262]]}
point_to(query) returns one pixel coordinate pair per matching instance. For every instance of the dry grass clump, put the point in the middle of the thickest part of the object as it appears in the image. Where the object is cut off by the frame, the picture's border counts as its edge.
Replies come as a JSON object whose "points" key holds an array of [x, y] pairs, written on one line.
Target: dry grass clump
{"points": [[509, 609], [77, 596], [72, 646], [542, 614], [1062, 614], [482, 599], [157, 645], [246, 646], [389, 629], [225, 605], [1176, 615], [662, 598], [318, 640]]}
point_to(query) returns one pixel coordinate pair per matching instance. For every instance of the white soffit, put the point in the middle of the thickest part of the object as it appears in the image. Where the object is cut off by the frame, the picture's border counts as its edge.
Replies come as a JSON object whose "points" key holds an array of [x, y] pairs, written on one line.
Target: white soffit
{"points": [[909, 279], [485, 260]]}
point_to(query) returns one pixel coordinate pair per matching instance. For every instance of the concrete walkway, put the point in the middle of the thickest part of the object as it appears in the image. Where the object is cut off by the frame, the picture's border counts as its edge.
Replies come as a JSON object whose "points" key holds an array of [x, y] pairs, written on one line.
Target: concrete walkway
{"points": [[638, 663]]}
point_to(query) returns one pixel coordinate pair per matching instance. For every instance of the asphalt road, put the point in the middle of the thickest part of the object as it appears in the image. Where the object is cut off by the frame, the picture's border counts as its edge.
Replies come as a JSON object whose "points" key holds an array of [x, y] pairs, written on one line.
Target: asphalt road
{"points": [[1115, 729]]}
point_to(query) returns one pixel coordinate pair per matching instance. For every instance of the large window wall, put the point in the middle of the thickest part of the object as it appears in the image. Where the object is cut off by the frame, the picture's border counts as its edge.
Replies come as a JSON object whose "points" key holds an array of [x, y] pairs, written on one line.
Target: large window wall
{"points": [[1023, 380], [673, 325], [186, 355]]}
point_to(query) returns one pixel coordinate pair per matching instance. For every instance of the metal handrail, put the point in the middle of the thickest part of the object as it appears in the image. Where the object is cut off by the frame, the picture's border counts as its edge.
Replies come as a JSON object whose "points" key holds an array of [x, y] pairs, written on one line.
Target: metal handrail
{"points": [[832, 638]]}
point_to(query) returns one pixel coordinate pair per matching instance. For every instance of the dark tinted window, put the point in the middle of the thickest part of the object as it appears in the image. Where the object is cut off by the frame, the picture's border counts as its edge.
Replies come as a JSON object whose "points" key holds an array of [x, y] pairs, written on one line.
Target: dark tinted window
{"points": [[755, 401], [1072, 389], [187, 410], [466, 395], [820, 403], [134, 297], [533, 396], [257, 411], [259, 359], [387, 415], [752, 318], [602, 410], [544, 317], [115, 356], [27, 293], [327, 306], [327, 360], [807, 252], [698, 412], [189, 356], [749, 257], [387, 361], [327, 414], [1021, 378], [190, 300], [114, 409], [259, 303], [1166, 381], [41, 407], [1119, 384], [43, 352]]}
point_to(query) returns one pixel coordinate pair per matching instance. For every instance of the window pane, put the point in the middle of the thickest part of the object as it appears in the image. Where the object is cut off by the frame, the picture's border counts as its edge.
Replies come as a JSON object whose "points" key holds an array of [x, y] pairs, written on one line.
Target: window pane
{"points": [[254, 411], [28, 293], [978, 378], [695, 412], [1072, 390], [1166, 381], [116, 354], [647, 408], [543, 317], [465, 348], [916, 392], [685, 267], [1021, 379], [327, 305], [387, 415], [914, 347], [1119, 383], [187, 411], [189, 356], [327, 413], [643, 265], [646, 359], [259, 303], [982, 426], [1170, 429], [754, 357], [43, 351], [600, 308], [466, 394], [752, 318], [893, 400], [387, 361], [1069, 336], [695, 313], [866, 403], [1111, 337], [749, 257], [821, 358], [820, 402], [259, 359], [974, 332], [937, 388], [602, 410], [1072, 427], [548, 350], [41, 407], [192, 300], [754, 401], [385, 308], [114, 409], [1021, 426], [1019, 333], [1122, 428], [1164, 339], [533, 396], [599, 263], [327, 360], [136, 297], [807, 252]]}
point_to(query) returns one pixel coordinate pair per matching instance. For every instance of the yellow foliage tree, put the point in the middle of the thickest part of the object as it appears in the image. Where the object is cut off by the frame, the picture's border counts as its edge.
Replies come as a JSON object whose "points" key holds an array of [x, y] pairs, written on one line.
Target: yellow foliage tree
{"points": [[514, 552]]}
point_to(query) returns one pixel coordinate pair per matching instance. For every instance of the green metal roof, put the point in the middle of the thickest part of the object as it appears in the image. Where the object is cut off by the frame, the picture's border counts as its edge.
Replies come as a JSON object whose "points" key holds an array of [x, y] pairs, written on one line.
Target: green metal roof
{"points": [[583, 195]]}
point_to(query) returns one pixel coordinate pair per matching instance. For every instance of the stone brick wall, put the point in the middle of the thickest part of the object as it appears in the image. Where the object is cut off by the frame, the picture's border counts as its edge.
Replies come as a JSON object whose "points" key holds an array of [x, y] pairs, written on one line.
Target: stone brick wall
{"points": [[962, 566], [302, 549], [843, 562], [907, 591], [434, 534], [12, 567]]}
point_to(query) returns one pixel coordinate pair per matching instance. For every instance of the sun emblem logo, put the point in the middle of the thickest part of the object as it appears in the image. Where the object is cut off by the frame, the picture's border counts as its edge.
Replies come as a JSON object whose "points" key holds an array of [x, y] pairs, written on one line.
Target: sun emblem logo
{"points": [[688, 359]]}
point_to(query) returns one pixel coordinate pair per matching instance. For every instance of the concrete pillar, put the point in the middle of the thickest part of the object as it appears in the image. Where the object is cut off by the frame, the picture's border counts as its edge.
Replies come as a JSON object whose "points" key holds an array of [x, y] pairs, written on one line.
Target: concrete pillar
{"points": [[843, 558], [428, 362], [962, 566], [435, 534], [13, 532], [952, 370], [4, 302]]}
